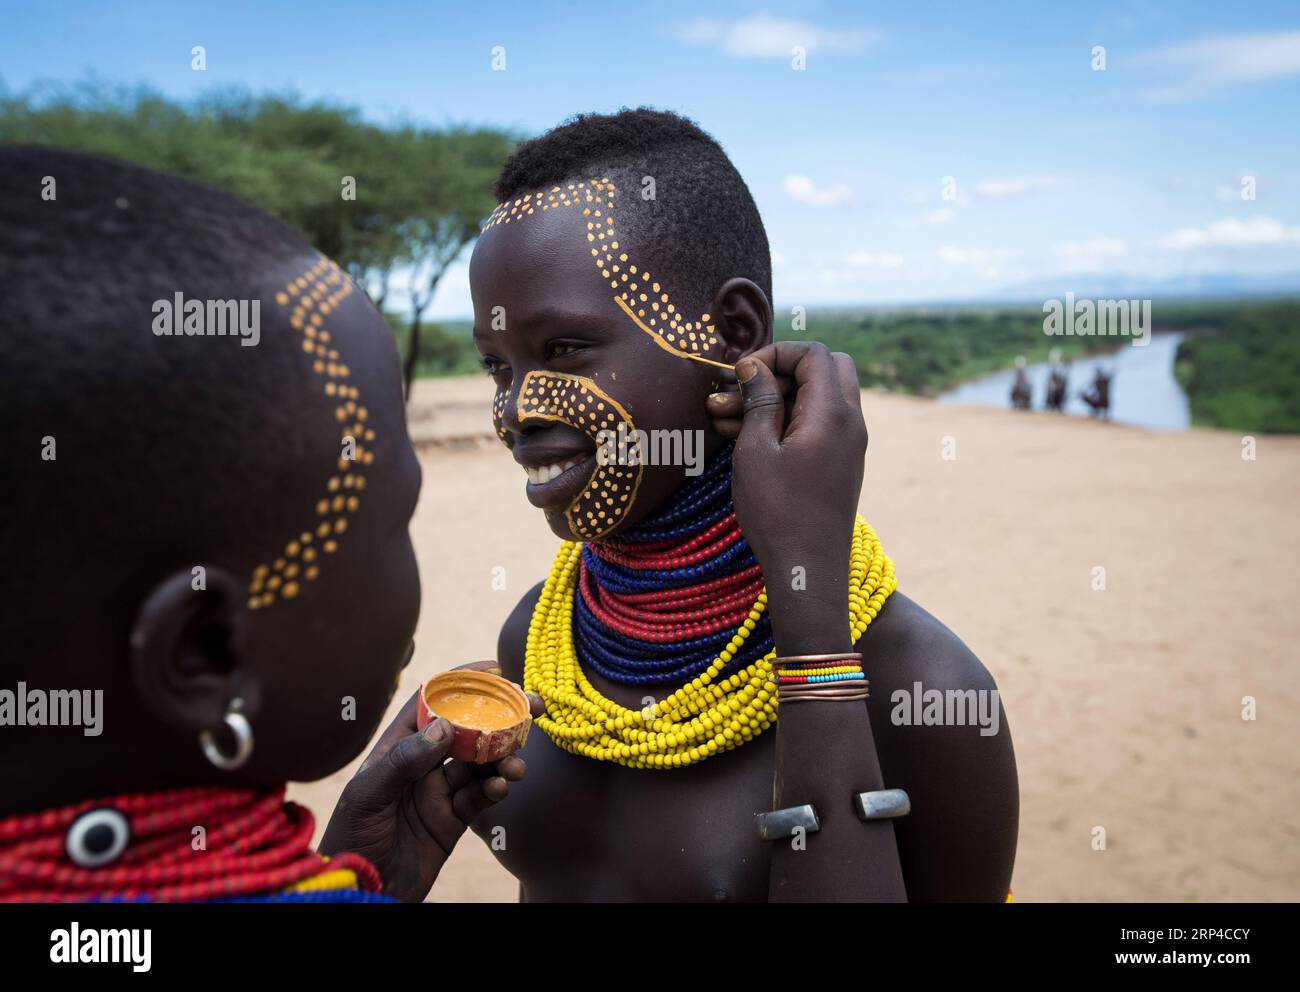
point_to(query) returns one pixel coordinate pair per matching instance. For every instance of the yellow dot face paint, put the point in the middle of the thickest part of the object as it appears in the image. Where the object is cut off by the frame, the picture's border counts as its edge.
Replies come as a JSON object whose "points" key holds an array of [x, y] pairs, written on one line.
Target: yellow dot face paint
{"points": [[607, 497], [310, 298], [498, 414], [643, 298]]}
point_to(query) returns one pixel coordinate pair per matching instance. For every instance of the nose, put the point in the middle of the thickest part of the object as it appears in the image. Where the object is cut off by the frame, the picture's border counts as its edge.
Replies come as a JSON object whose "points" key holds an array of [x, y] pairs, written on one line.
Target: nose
{"points": [[505, 412]]}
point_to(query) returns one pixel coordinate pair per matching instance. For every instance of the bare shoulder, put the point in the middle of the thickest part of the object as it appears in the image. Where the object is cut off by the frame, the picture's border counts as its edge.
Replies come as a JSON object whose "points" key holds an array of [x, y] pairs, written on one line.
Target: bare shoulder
{"points": [[907, 642], [941, 734], [514, 635]]}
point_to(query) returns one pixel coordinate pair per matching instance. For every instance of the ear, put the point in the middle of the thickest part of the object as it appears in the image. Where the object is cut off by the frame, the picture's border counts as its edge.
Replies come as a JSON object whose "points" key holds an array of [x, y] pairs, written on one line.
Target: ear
{"points": [[742, 316], [187, 648]]}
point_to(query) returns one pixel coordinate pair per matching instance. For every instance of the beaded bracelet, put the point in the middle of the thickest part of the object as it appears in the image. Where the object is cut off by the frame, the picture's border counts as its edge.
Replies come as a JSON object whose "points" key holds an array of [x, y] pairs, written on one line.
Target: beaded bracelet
{"points": [[820, 676]]}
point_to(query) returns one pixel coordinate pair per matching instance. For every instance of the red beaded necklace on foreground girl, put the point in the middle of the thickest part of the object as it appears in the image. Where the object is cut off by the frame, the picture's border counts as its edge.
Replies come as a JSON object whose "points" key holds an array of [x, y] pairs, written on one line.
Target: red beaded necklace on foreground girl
{"points": [[177, 845], [678, 596]]}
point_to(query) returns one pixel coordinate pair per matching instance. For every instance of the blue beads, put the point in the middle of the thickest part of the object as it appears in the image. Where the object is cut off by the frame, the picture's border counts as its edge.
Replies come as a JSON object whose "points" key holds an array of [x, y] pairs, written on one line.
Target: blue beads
{"points": [[699, 504], [619, 578]]}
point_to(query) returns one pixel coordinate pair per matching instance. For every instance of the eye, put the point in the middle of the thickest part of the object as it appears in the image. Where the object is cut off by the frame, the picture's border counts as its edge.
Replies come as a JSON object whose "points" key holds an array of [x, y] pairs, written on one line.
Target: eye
{"points": [[494, 366], [558, 349]]}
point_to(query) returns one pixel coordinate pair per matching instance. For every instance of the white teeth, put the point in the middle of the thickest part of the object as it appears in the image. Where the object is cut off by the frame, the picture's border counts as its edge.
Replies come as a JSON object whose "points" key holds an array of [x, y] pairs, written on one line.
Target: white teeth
{"points": [[545, 473]]}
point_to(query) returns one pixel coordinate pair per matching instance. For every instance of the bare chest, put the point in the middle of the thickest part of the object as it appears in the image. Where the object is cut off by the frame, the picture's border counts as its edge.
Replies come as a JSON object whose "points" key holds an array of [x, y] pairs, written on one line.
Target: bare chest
{"points": [[578, 829]]}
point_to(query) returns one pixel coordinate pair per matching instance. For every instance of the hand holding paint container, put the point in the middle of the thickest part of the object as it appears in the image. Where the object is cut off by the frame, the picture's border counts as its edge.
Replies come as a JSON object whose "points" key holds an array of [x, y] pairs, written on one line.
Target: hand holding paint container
{"points": [[488, 714]]}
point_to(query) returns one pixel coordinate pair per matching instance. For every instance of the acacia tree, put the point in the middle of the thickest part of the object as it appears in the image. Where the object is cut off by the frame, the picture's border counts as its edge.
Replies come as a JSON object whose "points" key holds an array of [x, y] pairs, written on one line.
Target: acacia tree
{"points": [[452, 184], [419, 194]]}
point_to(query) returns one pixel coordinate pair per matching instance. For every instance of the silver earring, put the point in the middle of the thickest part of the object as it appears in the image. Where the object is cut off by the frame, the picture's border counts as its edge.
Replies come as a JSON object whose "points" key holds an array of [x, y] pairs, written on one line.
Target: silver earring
{"points": [[243, 732]]}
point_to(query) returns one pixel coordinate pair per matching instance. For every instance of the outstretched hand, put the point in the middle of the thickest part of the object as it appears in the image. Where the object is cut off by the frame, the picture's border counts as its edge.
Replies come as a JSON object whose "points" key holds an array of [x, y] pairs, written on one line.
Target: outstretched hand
{"points": [[407, 805]]}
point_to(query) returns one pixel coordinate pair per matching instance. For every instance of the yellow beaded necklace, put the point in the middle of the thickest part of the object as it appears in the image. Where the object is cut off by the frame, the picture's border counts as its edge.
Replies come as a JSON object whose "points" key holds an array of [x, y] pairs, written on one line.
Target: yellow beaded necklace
{"points": [[696, 721]]}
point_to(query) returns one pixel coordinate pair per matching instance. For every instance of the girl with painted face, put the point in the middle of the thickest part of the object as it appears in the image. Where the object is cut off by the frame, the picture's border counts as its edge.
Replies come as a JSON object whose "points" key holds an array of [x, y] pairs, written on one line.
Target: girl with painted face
{"points": [[687, 614]]}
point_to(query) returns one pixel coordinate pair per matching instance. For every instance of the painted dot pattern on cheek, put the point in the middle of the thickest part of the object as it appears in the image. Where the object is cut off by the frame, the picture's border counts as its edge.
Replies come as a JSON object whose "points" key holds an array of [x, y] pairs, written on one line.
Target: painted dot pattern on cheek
{"points": [[577, 401], [311, 298], [498, 415], [644, 299]]}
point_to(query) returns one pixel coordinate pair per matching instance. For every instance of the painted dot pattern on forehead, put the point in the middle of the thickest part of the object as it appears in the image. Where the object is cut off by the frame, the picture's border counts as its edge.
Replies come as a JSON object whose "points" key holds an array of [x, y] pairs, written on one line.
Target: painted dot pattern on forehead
{"points": [[637, 292], [311, 298], [577, 401]]}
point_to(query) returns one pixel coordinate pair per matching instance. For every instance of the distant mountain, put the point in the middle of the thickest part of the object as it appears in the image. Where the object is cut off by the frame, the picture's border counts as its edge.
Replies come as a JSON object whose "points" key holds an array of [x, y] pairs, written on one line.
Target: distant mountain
{"points": [[1121, 286]]}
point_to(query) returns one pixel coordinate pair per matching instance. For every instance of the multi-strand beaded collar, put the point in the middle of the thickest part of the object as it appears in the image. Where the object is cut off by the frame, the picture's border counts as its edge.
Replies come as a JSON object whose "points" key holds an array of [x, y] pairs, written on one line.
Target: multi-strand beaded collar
{"points": [[659, 603], [678, 598], [252, 847]]}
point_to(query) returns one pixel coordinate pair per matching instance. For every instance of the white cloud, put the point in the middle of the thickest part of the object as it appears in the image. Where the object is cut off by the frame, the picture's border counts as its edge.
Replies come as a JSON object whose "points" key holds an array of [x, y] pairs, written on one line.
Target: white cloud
{"points": [[1097, 246], [778, 260], [808, 192], [1232, 194], [940, 216], [1014, 186], [1197, 67], [1232, 232], [764, 36], [873, 260], [970, 256], [986, 262]]}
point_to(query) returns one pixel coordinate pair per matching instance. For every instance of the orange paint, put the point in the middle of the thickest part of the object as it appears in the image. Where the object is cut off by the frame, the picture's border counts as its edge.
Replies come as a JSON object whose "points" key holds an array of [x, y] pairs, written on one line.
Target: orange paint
{"points": [[473, 709]]}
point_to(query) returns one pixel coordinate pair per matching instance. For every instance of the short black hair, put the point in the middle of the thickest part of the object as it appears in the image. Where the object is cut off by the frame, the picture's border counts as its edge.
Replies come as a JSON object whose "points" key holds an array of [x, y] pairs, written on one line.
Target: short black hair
{"points": [[702, 226], [164, 447], [120, 222]]}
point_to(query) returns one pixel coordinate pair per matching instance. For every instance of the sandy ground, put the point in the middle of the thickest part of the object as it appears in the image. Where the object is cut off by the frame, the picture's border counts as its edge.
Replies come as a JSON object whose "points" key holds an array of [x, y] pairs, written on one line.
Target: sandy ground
{"points": [[1125, 705]]}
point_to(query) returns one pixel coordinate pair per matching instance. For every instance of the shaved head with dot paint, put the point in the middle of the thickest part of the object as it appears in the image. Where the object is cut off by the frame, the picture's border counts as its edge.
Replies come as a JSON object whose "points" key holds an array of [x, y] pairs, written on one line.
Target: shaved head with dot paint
{"points": [[212, 521]]}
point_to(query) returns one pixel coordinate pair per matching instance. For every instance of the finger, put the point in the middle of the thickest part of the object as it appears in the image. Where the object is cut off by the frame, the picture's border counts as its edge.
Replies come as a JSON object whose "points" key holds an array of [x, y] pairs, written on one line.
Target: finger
{"points": [[481, 794], [813, 370], [407, 761], [730, 429], [403, 725], [491, 666], [536, 705], [847, 374], [725, 404], [764, 405], [461, 773], [728, 404], [512, 768]]}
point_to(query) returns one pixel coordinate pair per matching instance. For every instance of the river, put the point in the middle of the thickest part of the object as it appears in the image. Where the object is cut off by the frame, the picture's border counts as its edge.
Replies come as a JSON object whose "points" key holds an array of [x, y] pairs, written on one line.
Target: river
{"points": [[1143, 391]]}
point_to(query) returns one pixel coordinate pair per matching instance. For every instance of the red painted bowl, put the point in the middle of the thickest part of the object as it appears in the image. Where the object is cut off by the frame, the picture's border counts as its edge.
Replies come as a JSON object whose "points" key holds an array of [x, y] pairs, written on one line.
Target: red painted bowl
{"points": [[488, 714]]}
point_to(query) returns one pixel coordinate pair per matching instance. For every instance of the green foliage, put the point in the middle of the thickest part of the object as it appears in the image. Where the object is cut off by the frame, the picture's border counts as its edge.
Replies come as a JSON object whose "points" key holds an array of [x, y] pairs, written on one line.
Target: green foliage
{"points": [[926, 352], [1245, 373], [445, 348], [419, 197], [1240, 366]]}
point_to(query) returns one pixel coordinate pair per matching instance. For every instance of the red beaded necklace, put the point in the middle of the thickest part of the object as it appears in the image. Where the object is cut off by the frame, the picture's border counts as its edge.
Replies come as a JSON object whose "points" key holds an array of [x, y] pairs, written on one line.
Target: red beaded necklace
{"points": [[253, 843], [656, 604]]}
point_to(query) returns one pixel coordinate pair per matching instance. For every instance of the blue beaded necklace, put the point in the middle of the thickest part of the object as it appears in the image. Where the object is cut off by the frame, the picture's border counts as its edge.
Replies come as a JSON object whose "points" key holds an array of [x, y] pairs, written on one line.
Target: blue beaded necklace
{"points": [[700, 504]]}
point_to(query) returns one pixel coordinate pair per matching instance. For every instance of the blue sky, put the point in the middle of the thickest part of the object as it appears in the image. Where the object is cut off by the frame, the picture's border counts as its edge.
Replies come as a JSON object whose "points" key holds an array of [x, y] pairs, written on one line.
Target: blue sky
{"points": [[1059, 172]]}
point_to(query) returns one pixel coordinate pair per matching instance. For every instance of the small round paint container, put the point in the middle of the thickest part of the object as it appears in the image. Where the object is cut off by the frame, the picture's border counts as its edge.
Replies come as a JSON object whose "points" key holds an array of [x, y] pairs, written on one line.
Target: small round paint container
{"points": [[488, 714]]}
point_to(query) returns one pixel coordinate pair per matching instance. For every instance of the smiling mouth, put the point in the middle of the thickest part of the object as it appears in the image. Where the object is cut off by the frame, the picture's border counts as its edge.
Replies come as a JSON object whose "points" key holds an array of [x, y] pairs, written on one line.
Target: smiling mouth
{"points": [[557, 484], [541, 474]]}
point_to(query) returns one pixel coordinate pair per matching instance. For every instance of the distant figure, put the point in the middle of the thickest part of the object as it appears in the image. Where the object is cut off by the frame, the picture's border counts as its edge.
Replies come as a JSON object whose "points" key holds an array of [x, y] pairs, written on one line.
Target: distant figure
{"points": [[1021, 392], [1098, 397], [1058, 382]]}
